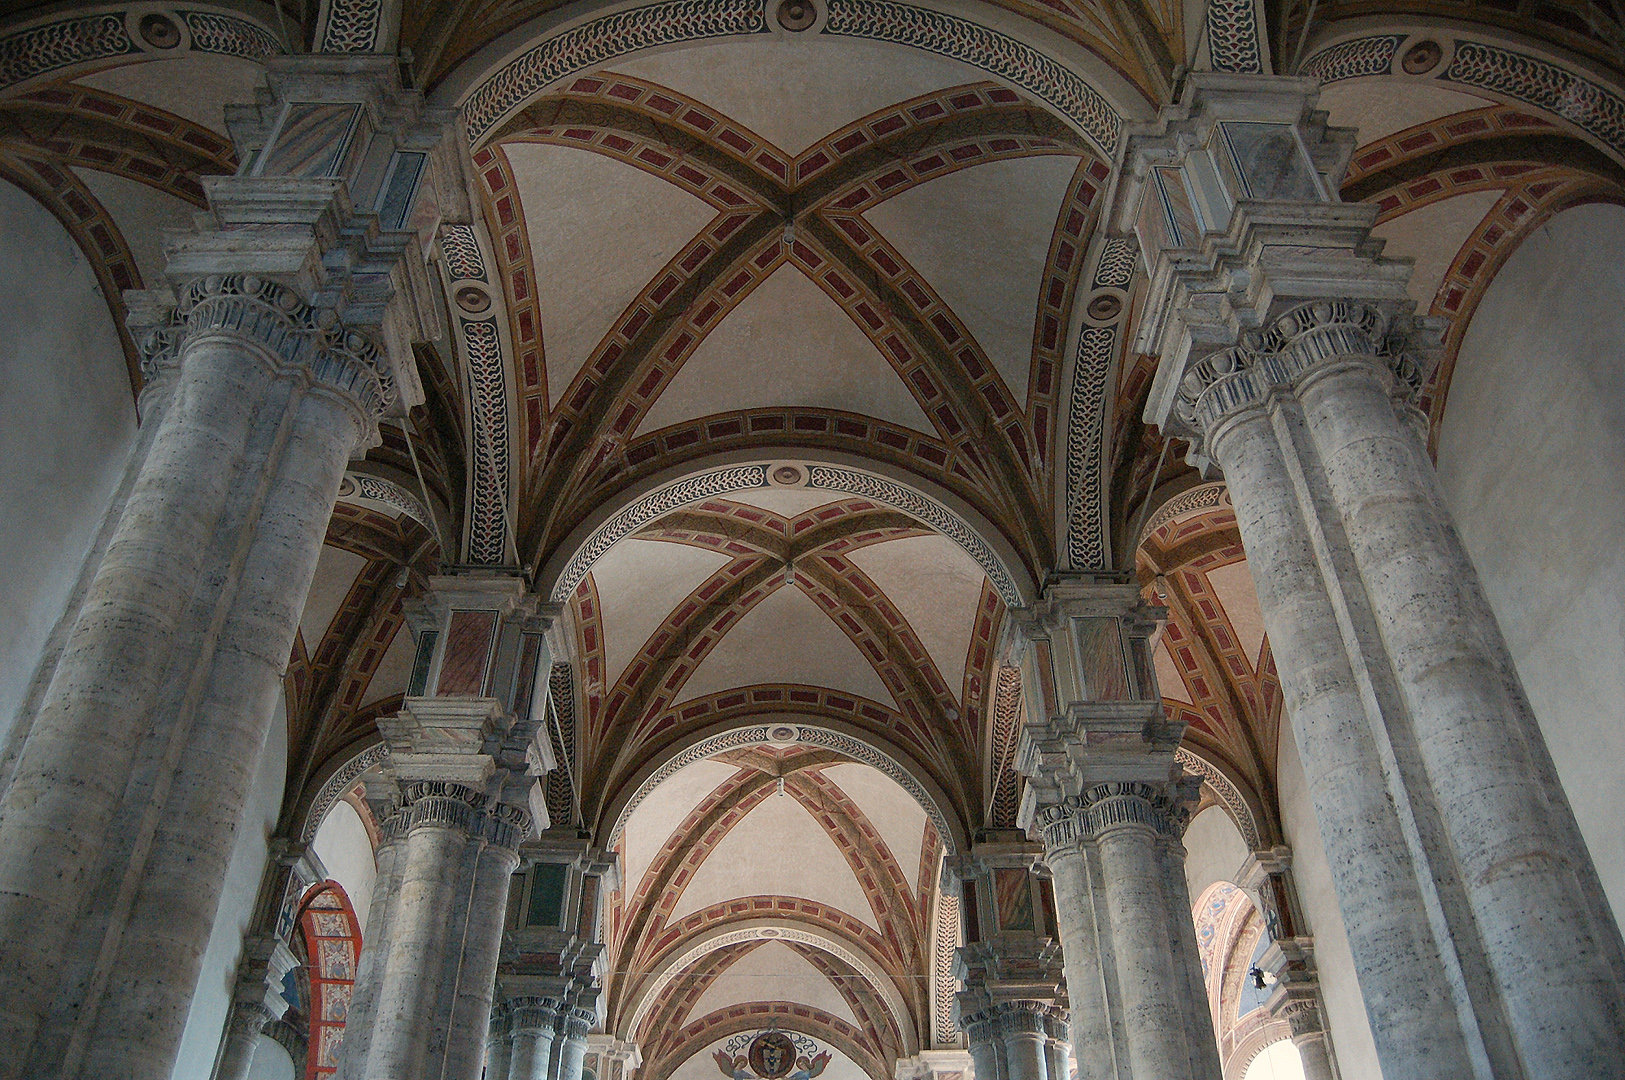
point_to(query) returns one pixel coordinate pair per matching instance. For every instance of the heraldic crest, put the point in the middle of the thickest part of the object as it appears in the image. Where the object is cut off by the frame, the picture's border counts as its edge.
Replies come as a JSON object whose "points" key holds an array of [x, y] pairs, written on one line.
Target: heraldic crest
{"points": [[771, 1055]]}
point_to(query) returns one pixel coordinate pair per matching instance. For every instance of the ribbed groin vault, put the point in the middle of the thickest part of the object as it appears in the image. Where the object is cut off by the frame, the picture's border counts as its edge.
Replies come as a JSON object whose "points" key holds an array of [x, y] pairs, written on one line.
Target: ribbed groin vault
{"points": [[846, 539]]}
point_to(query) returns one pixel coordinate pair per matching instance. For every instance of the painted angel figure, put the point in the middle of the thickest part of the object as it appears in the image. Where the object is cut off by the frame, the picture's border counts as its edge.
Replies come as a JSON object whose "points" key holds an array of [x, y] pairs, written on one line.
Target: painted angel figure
{"points": [[807, 1070], [736, 1068]]}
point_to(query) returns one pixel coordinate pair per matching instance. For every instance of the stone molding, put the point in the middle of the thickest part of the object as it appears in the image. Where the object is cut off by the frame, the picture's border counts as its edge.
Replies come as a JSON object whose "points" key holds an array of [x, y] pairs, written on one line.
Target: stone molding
{"points": [[274, 320], [532, 1014], [1301, 341], [1025, 1017], [440, 804], [1077, 819]]}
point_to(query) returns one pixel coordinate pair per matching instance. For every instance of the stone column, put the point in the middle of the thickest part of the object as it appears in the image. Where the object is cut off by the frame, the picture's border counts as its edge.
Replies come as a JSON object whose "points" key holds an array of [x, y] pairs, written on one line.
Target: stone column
{"points": [[498, 1044], [1110, 805], [1481, 937], [125, 800], [534, 1021], [1057, 1047], [570, 1043], [986, 1049], [466, 761]]}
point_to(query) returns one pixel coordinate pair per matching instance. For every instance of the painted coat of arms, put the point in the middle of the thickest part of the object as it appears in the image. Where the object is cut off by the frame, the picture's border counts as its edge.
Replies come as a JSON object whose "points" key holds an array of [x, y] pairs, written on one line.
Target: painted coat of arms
{"points": [[772, 1055]]}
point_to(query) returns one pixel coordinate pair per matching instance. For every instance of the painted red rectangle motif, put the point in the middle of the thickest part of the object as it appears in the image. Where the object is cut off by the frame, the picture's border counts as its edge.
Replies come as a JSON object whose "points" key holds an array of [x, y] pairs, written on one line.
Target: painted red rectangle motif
{"points": [[468, 648]]}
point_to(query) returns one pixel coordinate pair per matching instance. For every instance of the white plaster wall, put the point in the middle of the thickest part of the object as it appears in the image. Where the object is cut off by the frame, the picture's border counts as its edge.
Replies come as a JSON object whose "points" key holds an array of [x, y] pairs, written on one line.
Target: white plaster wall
{"points": [[271, 1062], [1214, 850], [1531, 454], [207, 1019], [67, 422], [1345, 1005], [346, 851]]}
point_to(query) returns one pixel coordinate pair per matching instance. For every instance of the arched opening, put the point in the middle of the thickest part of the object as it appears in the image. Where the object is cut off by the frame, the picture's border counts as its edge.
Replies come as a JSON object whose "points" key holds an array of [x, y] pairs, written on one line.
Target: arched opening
{"points": [[330, 940]]}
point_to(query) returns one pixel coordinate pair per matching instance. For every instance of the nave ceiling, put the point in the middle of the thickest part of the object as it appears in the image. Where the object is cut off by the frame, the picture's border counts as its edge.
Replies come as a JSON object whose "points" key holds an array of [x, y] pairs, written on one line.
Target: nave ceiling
{"points": [[788, 254]]}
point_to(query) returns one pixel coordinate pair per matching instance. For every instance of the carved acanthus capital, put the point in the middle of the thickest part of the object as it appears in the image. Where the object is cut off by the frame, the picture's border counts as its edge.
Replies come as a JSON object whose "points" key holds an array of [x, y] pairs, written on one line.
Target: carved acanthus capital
{"points": [[291, 333], [1164, 808], [1300, 341], [440, 804]]}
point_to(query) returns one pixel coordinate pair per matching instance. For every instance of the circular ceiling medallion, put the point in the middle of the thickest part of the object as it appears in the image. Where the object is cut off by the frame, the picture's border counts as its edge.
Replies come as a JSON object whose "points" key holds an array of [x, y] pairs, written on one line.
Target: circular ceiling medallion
{"points": [[782, 733], [346, 487], [160, 31], [767, 931], [1422, 58], [786, 476], [472, 299], [772, 1055], [797, 14], [1104, 307]]}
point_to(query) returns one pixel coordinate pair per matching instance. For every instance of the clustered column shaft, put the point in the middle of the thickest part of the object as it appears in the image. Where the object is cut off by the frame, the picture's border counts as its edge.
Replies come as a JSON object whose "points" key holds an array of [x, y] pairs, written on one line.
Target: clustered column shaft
{"points": [[423, 999], [1480, 940], [536, 1038], [1120, 896], [161, 701]]}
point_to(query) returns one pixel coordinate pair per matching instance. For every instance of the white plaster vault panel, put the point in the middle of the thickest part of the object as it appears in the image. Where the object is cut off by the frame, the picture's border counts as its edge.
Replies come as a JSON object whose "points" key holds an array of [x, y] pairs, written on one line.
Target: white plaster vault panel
{"points": [[786, 638], [981, 236], [599, 230], [1380, 107], [895, 815], [195, 87], [787, 343], [639, 583], [795, 90], [936, 587], [772, 971], [663, 810], [1433, 236]]}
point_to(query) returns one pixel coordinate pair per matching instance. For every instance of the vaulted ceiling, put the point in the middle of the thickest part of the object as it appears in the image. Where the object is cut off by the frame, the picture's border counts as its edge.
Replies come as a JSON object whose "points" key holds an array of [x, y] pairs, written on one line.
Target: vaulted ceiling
{"points": [[733, 265]]}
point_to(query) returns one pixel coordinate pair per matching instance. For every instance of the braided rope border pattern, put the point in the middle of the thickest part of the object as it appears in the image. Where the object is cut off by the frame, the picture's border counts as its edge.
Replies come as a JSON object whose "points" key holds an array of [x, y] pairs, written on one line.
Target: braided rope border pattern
{"points": [[1086, 415], [993, 52], [40, 49], [557, 789], [1232, 36], [1227, 793], [390, 494], [337, 785], [352, 26], [1086, 420], [226, 35], [1595, 109], [488, 528], [646, 509], [946, 1032], [856, 749], [928, 510], [462, 251], [599, 42], [1354, 59]]}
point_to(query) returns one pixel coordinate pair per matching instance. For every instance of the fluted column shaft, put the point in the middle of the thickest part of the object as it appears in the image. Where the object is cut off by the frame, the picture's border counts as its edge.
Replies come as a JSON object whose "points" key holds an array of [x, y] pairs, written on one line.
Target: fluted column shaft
{"points": [[162, 698], [1475, 918]]}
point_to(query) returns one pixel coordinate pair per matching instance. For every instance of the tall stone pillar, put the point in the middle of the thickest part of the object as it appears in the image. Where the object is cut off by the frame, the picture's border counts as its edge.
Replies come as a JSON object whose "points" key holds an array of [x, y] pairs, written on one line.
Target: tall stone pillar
{"points": [[292, 316], [531, 1027], [1110, 804], [465, 760], [1010, 965], [1482, 941], [551, 956]]}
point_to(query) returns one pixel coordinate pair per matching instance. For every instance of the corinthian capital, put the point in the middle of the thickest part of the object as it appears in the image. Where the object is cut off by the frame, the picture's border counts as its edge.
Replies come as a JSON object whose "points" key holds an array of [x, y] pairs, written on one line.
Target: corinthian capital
{"points": [[291, 334], [1302, 340]]}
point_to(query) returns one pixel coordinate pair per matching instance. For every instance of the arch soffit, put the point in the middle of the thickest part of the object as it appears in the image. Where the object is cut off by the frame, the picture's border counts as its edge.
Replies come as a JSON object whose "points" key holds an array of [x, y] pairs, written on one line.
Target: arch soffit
{"points": [[109, 35], [610, 522], [766, 929], [1239, 801], [863, 748], [1480, 61], [1079, 84]]}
